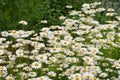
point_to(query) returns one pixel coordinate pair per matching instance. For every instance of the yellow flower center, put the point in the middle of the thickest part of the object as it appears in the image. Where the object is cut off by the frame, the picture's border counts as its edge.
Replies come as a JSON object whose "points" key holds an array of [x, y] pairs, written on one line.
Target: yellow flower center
{"points": [[10, 78], [41, 79], [36, 64], [88, 77], [41, 57], [87, 59]]}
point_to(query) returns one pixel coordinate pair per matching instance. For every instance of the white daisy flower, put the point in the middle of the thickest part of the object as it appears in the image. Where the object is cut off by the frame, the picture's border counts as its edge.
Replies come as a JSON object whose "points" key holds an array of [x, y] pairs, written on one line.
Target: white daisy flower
{"points": [[23, 22], [41, 58], [52, 74], [20, 53], [10, 78], [36, 65]]}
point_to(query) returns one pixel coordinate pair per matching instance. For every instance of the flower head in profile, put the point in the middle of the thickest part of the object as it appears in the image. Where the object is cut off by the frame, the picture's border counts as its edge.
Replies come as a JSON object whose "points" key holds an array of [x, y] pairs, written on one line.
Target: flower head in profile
{"points": [[23, 22], [52, 74], [43, 78], [69, 6], [44, 21]]}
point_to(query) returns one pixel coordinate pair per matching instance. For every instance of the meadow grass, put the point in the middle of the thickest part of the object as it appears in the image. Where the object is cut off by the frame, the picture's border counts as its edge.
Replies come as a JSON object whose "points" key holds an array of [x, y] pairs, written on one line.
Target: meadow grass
{"points": [[33, 11]]}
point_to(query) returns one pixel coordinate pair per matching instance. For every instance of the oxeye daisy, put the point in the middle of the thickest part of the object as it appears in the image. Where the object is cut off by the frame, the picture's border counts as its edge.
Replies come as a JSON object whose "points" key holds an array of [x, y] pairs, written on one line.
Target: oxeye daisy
{"points": [[44, 21], [110, 9], [10, 78], [86, 6], [12, 57], [88, 59], [32, 74], [76, 76], [53, 59], [3, 73], [27, 68], [64, 43], [20, 53], [43, 78], [55, 49], [36, 65], [5, 33], [52, 74], [103, 75], [88, 76], [23, 22], [42, 58], [69, 6]]}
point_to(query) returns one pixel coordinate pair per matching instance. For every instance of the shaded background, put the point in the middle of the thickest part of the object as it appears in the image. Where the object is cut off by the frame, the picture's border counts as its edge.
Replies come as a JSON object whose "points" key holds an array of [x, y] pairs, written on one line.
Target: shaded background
{"points": [[33, 11]]}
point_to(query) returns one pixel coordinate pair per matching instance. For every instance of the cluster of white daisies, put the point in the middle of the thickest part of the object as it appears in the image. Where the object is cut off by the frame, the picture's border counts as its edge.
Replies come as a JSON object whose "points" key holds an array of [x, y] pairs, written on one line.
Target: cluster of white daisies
{"points": [[81, 49]]}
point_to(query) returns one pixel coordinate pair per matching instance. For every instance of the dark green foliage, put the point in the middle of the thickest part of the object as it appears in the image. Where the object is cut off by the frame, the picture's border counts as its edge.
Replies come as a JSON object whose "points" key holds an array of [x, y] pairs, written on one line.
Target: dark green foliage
{"points": [[33, 11]]}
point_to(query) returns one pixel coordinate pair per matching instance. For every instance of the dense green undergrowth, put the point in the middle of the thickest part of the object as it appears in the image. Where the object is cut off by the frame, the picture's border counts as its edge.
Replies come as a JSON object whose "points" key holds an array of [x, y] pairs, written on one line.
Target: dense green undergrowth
{"points": [[33, 11]]}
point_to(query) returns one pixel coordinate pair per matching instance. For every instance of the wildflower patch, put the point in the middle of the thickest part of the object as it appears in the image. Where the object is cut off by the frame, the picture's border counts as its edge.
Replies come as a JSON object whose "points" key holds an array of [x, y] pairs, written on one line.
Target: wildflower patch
{"points": [[82, 48]]}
